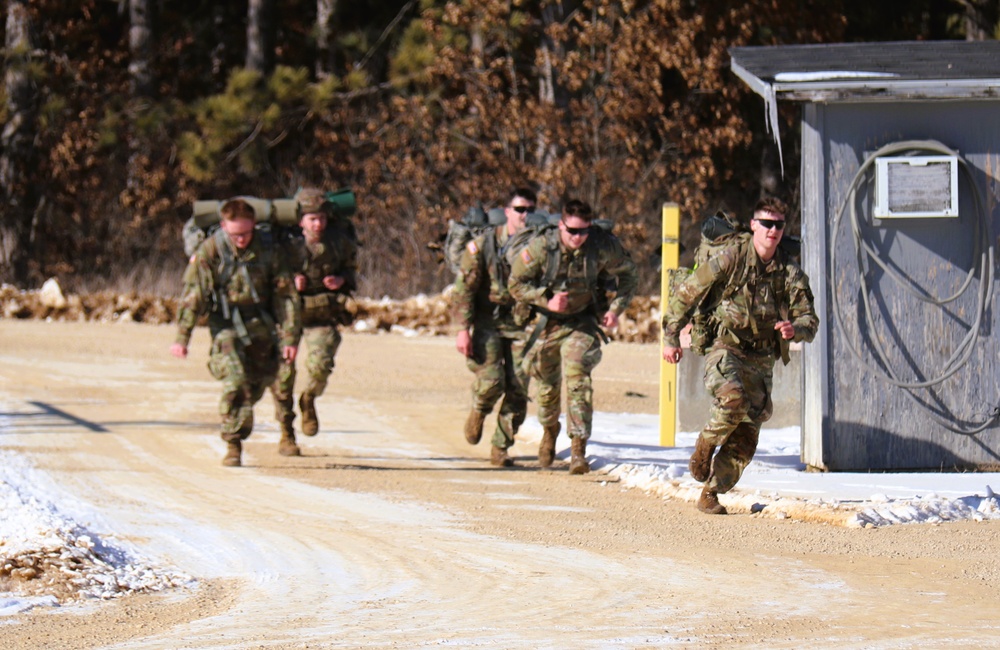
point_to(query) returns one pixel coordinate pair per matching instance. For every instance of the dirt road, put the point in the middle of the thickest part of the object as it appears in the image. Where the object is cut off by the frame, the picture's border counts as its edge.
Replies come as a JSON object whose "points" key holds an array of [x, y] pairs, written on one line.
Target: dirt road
{"points": [[391, 531]]}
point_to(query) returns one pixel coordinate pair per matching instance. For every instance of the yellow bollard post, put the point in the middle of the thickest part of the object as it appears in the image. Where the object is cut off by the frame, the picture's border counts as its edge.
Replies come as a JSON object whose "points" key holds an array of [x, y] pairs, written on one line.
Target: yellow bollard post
{"points": [[670, 257]]}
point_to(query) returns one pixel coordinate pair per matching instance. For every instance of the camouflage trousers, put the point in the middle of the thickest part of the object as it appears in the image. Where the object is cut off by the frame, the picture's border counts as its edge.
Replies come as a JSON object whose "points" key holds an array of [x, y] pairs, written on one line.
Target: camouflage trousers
{"points": [[322, 344], [496, 363], [740, 385], [570, 350], [245, 372]]}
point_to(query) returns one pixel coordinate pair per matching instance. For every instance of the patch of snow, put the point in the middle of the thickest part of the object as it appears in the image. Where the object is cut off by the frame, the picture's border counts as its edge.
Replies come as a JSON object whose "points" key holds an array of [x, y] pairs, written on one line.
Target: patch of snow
{"points": [[829, 75]]}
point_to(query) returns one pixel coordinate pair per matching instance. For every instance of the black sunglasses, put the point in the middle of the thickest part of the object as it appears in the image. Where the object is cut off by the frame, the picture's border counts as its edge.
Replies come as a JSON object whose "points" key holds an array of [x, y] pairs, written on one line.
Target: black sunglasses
{"points": [[522, 208], [577, 231], [771, 223]]}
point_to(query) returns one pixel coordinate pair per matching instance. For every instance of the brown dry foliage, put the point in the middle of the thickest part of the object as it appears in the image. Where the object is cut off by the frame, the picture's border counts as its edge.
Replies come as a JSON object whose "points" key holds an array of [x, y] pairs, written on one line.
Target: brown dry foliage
{"points": [[623, 104]]}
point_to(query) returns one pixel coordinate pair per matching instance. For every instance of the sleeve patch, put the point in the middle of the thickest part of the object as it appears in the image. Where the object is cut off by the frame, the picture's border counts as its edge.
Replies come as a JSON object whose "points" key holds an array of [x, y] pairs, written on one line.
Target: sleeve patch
{"points": [[526, 256], [472, 248]]}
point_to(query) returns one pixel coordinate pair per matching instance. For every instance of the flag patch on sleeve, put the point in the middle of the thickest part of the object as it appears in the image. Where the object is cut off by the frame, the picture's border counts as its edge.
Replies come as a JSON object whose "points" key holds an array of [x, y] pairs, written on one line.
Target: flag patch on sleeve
{"points": [[471, 246], [526, 256]]}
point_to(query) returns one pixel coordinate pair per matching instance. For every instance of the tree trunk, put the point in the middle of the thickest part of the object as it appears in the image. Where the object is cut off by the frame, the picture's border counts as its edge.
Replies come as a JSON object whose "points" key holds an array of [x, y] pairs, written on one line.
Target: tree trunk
{"points": [[140, 35], [17, 153], [324, 54], [981, 18], [550, 91], [260, 36]]}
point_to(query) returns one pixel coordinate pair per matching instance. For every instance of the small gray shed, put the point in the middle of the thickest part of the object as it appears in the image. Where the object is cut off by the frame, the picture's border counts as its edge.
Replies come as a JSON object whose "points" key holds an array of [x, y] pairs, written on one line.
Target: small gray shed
{"points": [[900, 189]]}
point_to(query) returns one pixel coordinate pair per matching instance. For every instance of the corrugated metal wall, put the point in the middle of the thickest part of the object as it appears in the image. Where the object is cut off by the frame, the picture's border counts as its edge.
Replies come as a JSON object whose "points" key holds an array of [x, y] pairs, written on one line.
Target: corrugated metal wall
{"points": [[854, 419]]}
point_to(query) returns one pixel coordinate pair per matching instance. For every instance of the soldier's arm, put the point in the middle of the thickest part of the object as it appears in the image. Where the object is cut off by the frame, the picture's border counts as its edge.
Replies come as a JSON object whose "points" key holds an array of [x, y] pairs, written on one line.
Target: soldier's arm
{"points": [[526, 271], [689, 293], [471, 274], [619, 264], [349, 271], [195, 296], [801, 311], [285, 302]]}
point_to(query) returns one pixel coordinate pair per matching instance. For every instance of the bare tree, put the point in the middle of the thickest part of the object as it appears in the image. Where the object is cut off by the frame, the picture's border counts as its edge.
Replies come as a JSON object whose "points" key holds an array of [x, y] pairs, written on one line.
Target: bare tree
{"points": [[325, 10], [17, 153], [140, 36], [981, 19], [260, 36], [550, 90]]}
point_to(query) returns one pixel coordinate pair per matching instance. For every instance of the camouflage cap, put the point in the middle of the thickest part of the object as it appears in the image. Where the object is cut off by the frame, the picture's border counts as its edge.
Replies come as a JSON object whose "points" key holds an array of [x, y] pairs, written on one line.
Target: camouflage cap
{"points": [[311, 200]]}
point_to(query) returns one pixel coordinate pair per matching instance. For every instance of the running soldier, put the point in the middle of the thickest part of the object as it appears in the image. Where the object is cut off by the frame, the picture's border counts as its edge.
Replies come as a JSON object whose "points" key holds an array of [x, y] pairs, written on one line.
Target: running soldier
{"points": [[563, 276], [324, 263], [758, 301], [242, 281], [490, 339]]}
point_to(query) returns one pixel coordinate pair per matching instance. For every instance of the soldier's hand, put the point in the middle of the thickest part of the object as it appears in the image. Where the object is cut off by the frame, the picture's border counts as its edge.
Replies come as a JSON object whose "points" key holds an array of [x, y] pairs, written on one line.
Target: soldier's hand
{"points": [[610, 320], [786, 329], [179, 350], [300, 282], [288, 353], [333, 282], [559, 302], [463, 343], [672, 354]]}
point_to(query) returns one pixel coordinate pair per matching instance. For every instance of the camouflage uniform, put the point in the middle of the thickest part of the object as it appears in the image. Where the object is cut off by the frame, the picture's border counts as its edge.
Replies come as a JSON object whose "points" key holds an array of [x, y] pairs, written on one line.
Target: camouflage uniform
{"points": [[573, 337], [246, 348], [739, 365], [322, 310], [482, 303]]}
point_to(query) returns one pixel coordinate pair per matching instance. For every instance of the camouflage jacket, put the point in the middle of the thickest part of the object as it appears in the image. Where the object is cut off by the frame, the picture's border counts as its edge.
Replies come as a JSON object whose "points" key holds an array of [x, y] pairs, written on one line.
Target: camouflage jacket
{"points": [[259, 284], [745, 315], [585, 286], [335, 254], [481, 298]]}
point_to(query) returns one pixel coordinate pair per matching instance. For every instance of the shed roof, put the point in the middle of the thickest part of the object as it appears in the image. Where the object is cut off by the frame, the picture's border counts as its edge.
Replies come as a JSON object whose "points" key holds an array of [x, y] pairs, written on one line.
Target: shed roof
{"points": [[868, 72], [872, 71]]}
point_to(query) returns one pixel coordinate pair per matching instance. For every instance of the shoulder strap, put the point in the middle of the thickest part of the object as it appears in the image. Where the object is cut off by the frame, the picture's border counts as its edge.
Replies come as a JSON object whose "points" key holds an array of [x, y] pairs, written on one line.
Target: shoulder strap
{"points": [[598, 238], [226, 261], [226, 265], [493, 255], [553, 258], [738, 281]]}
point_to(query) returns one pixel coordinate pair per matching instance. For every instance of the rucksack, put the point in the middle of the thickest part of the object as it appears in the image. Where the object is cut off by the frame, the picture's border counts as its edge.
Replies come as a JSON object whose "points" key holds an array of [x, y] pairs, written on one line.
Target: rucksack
{"points": [[720, 231], [473, 223], [271, 214]]}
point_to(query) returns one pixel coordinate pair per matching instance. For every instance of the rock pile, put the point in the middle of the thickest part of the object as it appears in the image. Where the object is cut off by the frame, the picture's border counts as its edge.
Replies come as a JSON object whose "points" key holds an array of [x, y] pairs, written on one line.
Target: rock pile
{"points": [[424, 315]]}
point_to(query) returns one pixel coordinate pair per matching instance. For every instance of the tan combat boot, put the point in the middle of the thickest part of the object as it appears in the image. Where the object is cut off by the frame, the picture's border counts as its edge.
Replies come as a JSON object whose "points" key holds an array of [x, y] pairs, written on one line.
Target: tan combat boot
{"points": [[499, 458], [701, 460], [578, 460], [233, 450], [708, 503], [307, 406], [474, 426], [547, 447], [287, 446]]}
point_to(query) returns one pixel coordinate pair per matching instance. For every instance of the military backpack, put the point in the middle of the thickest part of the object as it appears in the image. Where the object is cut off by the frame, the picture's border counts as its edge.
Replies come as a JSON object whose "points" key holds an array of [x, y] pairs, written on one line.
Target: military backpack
{"points": [[473, 223]]}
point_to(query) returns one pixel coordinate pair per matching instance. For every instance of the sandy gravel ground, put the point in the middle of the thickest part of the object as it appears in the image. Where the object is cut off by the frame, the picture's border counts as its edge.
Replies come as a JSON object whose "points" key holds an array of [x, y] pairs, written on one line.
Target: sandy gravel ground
{"points": [[392, 532]]}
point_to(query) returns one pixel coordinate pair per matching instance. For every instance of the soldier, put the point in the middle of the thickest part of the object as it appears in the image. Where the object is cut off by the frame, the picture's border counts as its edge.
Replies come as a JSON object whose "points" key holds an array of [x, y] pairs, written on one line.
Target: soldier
{"points": [[324, 263], [242, 282], [563, 277], [758, 300], [490, 339]]}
